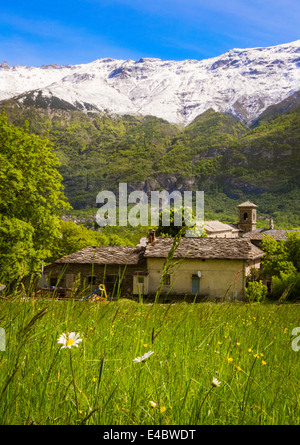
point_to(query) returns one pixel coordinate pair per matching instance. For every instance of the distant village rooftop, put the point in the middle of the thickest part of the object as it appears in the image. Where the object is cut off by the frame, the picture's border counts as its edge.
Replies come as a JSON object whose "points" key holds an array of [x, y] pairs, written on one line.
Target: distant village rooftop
{"points": [[259, 234], [214, 226]]}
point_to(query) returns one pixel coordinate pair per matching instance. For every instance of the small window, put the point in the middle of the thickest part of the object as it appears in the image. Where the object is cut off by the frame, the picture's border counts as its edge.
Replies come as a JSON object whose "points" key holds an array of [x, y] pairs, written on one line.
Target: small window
{"points": [[245, 216], [167, 280], [53, 282], [91, 280], [140, 280]]}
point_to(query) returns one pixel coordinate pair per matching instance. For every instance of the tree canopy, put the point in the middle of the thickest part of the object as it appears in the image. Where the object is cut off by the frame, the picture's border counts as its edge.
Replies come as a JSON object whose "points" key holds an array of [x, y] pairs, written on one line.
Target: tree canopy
{"points": [[173, 216], [282, 263], [31, 195]]}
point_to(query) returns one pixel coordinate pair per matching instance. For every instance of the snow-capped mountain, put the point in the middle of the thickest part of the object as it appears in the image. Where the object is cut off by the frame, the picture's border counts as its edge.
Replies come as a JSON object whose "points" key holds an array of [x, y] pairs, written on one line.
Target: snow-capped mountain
{"points": [[243, 82]]}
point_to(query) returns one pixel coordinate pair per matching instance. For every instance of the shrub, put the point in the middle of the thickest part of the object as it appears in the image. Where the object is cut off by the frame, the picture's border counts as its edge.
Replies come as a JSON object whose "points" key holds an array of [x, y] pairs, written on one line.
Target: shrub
{"points": [[256, 291], [286, 286]]}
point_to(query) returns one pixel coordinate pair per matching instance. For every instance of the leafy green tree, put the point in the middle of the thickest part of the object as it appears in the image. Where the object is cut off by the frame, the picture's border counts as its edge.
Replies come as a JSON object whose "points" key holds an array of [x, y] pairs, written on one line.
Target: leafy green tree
{"points": [[173, 229], [31, 195], [276, 257], [293, 248], [282, 262], [286, 286], [281, 256], [75, 237]]}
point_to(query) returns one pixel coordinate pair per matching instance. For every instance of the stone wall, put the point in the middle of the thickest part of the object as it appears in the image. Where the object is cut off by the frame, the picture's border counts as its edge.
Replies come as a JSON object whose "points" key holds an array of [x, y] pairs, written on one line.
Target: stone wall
{"points": [[118, 279]]}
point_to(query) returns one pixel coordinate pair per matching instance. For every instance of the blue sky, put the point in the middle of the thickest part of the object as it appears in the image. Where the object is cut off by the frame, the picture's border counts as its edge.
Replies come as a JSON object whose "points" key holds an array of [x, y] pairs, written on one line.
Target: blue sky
{"points": [[41, 32]]}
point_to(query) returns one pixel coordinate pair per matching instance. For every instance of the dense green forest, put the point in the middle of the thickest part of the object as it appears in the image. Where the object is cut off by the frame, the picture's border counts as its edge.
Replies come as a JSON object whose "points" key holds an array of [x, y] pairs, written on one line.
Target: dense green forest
{"points": [[216, 153]]}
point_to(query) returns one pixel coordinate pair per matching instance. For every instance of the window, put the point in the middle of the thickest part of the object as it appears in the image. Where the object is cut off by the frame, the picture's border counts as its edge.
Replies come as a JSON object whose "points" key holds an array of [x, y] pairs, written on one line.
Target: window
{"points": [[245, 216], [140, 280], [91, 280], [56, 282], [167, 280], [53, 282]]}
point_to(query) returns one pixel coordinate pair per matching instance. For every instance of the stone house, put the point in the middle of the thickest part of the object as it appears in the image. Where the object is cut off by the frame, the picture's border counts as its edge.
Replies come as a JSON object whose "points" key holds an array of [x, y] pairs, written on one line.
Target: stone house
{"points": [[212, 267], [113, 266]]}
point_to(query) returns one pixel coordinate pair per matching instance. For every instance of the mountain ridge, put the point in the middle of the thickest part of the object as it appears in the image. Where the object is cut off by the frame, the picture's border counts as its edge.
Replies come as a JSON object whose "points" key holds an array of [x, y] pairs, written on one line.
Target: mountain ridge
{"points": [[242, 82]]}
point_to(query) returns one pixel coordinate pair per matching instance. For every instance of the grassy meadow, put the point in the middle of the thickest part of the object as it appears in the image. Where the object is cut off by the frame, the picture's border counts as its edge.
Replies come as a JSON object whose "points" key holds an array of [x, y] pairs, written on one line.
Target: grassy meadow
{"points": [[247, 348]]}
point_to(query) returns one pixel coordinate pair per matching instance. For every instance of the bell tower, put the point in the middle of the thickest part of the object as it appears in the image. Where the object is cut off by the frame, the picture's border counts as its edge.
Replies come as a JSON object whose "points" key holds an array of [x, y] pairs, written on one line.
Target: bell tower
{"points": [[247, 216]]}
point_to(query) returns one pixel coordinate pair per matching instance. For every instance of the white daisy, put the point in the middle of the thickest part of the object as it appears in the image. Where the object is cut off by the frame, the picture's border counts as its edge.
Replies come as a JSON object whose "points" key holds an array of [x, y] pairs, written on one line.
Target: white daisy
{"points": [[69, 339], [215, 382], [144, 357]]}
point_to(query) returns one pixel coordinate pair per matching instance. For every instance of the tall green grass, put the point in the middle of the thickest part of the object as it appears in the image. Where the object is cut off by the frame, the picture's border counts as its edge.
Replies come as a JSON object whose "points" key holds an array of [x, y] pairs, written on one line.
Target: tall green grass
{"points": [[247, 347]]}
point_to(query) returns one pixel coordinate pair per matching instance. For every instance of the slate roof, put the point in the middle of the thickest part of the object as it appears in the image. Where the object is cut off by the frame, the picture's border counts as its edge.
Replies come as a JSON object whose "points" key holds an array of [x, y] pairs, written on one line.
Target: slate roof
{"points": [[247, 204], [258, 234], [218, 226], [205, 248], [198, 248], [118, 255]]}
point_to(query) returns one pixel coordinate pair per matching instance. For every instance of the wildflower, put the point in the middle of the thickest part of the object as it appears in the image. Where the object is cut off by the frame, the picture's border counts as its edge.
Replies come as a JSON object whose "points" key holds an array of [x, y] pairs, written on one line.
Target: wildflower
{"points": [[263, 362], [238, 344], [144, 357], [215, 382], [230, 359], [220, 342], [162, 409], [95, 379], [145, 346], [69, 339], [238, 368], [153, 404], [255, 355], [249, 350]]}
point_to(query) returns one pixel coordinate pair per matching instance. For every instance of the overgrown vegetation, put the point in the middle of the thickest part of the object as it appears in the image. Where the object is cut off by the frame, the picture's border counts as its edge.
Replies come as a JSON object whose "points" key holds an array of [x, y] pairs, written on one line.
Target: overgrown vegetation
{"points": [[247, 348], [282, 265]]}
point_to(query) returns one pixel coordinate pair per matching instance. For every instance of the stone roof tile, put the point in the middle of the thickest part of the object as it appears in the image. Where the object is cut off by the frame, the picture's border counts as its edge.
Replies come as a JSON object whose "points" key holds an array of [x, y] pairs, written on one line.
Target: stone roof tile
{"points": [[205, 248], [105, 255]]}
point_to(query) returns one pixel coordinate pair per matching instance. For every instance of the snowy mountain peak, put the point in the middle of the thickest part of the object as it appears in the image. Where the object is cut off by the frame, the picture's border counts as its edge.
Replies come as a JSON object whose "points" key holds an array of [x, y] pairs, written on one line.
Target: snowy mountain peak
{"points": [[243, 82]]}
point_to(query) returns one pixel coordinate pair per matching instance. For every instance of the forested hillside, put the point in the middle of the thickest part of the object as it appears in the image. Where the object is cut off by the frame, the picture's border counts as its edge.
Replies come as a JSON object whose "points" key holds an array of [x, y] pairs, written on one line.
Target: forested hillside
{"points": [[216, 153]]}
